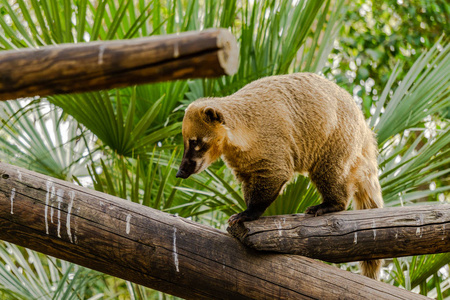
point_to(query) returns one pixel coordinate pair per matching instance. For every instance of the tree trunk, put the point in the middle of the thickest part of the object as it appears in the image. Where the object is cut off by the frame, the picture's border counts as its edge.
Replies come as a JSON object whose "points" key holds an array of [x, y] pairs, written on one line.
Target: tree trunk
{"points": [[159, 250], [72, 68], [352, 235]]}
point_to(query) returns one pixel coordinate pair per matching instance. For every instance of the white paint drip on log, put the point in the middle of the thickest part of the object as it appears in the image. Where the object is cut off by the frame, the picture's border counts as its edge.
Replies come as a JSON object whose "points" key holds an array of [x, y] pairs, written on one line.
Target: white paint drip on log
{"points": [[13, 194], [128, 224], [59, 199], [69, 210], [47, 199], [355, 239], [175, 251], [101, 51]]}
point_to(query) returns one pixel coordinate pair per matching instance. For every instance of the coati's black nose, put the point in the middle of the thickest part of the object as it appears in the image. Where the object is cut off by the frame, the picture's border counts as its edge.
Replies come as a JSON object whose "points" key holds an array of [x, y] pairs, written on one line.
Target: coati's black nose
{"points": [[187, 168], [182, 174]]}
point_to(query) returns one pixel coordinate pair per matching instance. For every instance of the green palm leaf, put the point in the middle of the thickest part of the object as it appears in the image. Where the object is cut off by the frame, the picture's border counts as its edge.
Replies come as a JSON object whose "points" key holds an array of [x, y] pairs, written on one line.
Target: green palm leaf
{"points": [[423, 92], [37, 137]]}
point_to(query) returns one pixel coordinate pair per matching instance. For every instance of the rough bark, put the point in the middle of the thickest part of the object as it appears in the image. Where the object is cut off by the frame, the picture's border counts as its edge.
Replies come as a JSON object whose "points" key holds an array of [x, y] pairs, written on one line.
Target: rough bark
{"points": [[71, 68], [159, 250], [352, 235]]}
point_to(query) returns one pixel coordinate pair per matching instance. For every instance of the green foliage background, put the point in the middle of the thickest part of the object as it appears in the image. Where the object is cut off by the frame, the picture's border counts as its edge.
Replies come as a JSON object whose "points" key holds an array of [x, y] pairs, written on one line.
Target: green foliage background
{"points": [[392, 56]]}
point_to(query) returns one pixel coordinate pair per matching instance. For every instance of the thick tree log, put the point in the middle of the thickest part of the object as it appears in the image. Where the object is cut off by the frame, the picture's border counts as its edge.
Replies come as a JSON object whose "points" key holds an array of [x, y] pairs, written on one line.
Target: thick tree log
{"points": [[352, 235], [83, 67], [162, 251]]}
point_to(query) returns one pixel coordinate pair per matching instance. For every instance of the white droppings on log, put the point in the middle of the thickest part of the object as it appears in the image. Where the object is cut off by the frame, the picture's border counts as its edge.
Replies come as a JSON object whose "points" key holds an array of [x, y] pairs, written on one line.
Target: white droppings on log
{"points": [[175, 251], [374, 230], [13, 194], [278, 224], [101, 51], [19, 175], [443, 232], [176, 51], [69, 211], [128, 224], [47, 199], [52, 196], [59, 199], [355, 239], [419, 230]]}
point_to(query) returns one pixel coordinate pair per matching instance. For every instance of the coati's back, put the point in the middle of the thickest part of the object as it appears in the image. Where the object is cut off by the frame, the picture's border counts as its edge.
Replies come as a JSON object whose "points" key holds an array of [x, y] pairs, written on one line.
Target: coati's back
{"points": [[303, 113]]}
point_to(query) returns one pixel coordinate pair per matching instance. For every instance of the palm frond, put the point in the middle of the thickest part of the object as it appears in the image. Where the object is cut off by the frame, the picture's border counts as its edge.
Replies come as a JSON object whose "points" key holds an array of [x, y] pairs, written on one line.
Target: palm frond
{"points": [[25, 274], [424, 91], [37, 137]]}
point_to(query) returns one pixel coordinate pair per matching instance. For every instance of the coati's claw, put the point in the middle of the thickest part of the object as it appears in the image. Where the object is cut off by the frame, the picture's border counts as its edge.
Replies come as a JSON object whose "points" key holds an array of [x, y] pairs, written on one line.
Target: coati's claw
{"points": [[233, 219], [241, 217], [314, 210], [318, 210]]}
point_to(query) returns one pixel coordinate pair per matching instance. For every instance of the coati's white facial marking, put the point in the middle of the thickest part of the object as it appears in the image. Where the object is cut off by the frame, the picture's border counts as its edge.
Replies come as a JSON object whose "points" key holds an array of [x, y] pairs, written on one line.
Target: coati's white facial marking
{"points": [[200, 165], [197, 147]]}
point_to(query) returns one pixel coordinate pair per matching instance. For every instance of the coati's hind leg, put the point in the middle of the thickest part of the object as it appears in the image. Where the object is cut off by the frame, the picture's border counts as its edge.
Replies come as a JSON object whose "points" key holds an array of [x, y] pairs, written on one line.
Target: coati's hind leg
{"points": [[335, 193], [259, 193]]}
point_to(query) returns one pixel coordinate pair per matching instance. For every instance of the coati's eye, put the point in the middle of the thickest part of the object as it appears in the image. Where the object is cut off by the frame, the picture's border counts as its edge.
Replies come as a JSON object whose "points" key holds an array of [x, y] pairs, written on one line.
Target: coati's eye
{"points": [[197, 144], [194, 144]]}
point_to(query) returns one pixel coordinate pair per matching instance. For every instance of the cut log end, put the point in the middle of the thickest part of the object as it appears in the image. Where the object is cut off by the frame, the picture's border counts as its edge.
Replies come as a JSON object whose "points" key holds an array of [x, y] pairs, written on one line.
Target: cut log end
{"points": [[229, 53]]}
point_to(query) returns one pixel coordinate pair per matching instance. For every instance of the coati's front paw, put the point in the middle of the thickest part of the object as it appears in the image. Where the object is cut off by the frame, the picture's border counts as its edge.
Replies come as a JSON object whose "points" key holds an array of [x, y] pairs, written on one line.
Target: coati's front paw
{"points": [[318, 210], [241, 217]]}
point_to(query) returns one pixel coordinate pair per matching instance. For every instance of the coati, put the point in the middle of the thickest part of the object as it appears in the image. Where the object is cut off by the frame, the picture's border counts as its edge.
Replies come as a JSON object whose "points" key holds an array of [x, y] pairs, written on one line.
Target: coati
{"points": [[280, 125]]}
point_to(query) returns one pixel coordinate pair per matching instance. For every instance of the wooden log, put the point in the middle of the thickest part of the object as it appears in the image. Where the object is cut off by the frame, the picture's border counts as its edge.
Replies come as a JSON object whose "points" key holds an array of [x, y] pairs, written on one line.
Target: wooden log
{"points": [[162, 251], [71, 68], [352, 235]]}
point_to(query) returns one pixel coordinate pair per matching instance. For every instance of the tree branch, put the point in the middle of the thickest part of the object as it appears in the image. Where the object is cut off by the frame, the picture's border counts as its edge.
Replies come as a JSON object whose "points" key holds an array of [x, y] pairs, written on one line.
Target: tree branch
{"points": [[161, 251], [352, 235], [71, 68]]}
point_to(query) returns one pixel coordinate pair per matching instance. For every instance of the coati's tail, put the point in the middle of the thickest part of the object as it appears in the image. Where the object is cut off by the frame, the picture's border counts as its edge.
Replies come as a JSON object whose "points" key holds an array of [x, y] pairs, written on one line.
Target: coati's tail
{"points": [[371, 268], [368, 195]]}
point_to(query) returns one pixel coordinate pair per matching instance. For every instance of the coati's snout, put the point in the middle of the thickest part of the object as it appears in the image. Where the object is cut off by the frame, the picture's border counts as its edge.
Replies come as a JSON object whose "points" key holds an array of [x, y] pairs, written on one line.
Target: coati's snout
{"points": [[196, 157], [187, 168]]}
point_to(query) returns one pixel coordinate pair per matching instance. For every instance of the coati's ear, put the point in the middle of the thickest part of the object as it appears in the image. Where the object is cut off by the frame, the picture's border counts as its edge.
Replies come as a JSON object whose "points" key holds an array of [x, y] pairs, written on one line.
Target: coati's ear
{"points": [[213, 115]]}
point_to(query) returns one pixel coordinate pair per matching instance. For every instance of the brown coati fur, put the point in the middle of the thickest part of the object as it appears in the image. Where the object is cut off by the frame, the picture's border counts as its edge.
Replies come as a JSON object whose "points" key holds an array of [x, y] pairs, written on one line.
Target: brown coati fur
{"points": [[277, 126]]}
